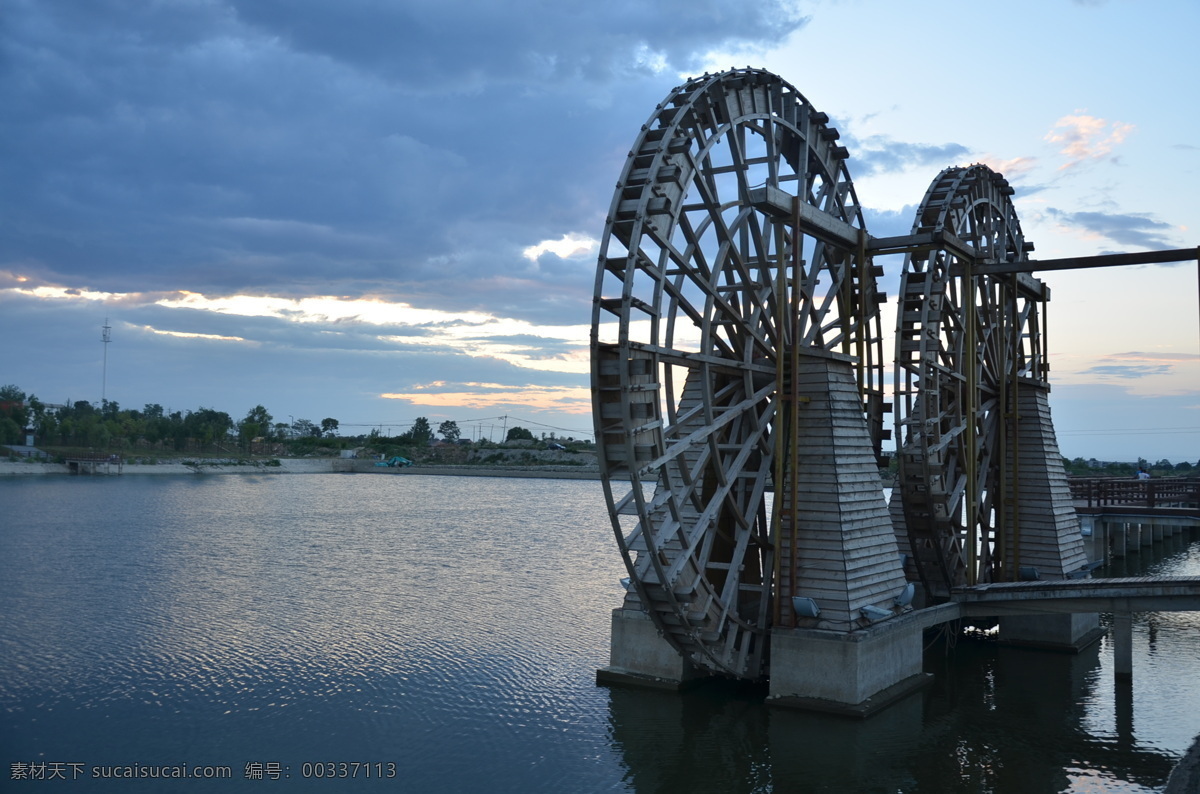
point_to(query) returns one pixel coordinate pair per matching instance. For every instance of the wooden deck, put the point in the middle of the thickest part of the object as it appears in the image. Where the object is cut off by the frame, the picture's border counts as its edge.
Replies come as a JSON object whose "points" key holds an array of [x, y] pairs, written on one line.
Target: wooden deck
{"points": [[1136, 594], [1166, 496]]}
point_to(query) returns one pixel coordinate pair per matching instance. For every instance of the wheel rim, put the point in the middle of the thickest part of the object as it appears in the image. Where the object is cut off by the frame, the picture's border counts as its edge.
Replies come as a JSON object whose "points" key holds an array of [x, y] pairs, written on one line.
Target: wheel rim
{"points": [[707, 272], [963, 344]]}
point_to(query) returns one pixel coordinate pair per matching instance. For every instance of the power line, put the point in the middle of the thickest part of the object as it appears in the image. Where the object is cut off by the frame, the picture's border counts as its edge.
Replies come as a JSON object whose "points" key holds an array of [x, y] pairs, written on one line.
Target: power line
{"points": [[1132, 431], [476, 421]]}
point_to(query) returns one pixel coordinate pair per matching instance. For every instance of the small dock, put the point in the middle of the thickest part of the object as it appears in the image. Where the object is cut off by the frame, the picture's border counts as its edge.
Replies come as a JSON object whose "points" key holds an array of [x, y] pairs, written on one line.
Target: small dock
{"points": [[96, 464]]}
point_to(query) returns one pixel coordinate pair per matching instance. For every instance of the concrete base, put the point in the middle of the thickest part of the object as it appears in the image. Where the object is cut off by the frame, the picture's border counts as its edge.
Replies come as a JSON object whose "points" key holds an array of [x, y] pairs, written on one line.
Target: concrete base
{"points": [[639, 656], [855, 673], [1058, 632], [867, 708]]}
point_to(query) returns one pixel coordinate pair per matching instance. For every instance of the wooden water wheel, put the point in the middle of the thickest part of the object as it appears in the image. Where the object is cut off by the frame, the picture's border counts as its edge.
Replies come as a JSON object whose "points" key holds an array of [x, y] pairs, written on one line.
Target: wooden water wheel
{"points": [[964, 345], [734, 245]]}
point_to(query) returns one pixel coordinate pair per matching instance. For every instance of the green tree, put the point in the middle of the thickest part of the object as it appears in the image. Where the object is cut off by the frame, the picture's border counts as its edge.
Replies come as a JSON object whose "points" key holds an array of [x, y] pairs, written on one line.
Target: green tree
{"points": [[329, 426], [43, 421], [10, 431], [205, 426], [518, 434], [13, 411], [257, 423], [420, 433], [449, 430], [305, 428], [11, 394]]}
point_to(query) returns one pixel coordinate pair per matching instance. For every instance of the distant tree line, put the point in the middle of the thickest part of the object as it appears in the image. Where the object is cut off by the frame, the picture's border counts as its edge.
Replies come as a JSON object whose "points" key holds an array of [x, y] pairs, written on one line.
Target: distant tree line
{"points": [[109, 427], [1078, 467]]}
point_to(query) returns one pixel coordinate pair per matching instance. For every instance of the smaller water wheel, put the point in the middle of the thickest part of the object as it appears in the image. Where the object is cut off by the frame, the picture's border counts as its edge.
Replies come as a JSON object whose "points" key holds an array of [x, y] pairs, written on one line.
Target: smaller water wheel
{"points": [[964, 345]]}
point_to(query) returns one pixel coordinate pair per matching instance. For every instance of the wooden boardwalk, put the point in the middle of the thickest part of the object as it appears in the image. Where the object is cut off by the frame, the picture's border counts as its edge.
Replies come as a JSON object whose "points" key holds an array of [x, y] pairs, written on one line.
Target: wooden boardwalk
{"points": [[1121, 597], [1166, 496], [1136, 594]]}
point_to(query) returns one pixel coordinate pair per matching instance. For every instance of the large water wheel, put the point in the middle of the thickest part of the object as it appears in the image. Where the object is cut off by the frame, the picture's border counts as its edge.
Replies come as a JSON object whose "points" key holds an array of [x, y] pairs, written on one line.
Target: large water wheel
{"points": [[734, 245], [965, 344]]}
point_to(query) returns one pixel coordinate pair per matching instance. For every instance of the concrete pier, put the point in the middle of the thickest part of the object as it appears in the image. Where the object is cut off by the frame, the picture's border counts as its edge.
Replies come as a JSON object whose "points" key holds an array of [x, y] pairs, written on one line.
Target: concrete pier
{"points": [[852, 673], [1122, 632], [639, 655], [1068, 632]]}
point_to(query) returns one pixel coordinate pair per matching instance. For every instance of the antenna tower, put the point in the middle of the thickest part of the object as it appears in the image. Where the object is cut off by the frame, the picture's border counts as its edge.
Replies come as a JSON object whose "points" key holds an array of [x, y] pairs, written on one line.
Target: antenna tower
{"points": [[106, 336]]}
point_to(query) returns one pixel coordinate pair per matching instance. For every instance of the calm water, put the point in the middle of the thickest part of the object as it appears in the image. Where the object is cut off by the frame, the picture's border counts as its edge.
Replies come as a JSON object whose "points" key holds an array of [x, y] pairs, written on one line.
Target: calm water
{"points": [[452, 627]]}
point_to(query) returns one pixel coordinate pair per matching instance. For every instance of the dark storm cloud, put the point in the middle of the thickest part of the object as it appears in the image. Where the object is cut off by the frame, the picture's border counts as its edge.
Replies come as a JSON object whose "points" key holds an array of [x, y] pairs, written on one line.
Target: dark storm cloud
{"points": [[463, 46], [1132, 230], [359, 147]]}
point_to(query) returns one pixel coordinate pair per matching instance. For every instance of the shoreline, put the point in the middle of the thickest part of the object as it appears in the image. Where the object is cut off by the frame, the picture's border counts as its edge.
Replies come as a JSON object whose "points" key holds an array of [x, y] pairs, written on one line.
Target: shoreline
{"points": [[300, 466]]}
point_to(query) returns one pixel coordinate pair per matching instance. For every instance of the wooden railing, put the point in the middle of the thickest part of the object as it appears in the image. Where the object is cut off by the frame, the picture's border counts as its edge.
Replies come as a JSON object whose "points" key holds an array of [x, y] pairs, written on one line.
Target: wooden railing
{"points": [[1155, 492]]}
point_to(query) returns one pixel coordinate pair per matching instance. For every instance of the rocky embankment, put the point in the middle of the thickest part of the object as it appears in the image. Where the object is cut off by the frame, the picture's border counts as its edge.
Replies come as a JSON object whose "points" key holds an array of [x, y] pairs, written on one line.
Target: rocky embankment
{"points": [[498, 468]]}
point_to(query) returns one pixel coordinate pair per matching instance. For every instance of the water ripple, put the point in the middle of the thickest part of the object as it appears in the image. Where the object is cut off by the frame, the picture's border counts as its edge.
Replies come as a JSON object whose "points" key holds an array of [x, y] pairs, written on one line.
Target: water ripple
{"points": [[454, 625]]}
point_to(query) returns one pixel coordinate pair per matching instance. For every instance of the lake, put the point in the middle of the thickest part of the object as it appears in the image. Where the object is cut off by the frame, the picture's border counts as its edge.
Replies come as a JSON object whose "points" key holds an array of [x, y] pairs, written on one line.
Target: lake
{"points": [[441, 634]]}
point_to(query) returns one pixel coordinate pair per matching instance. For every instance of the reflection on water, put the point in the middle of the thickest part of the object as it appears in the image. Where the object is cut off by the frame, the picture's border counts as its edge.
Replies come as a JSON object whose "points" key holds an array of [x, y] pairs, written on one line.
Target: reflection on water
{"points": [[996, 719], [454, 626]]}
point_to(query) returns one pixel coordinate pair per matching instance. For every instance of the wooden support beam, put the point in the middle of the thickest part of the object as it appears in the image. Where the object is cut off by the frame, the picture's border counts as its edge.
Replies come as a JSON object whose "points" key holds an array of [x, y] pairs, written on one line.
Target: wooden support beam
{"points": [[1083, 262], [811, 220], [916, 243]]}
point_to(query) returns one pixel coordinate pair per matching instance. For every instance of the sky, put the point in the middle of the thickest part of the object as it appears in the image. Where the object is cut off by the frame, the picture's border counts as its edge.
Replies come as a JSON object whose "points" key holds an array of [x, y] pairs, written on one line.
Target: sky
{"points": [[375, 210]]}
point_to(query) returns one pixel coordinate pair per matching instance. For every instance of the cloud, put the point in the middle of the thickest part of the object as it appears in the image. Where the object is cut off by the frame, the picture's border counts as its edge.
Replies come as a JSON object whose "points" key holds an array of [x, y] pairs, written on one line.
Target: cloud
{"points": [[1135, 365], [890, 223], [1127, 371], [464, 46], [411, 151], [1085, 138], [1130, 230], [878, 154], [488, 396], [1012, 168], [572, 244]]}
